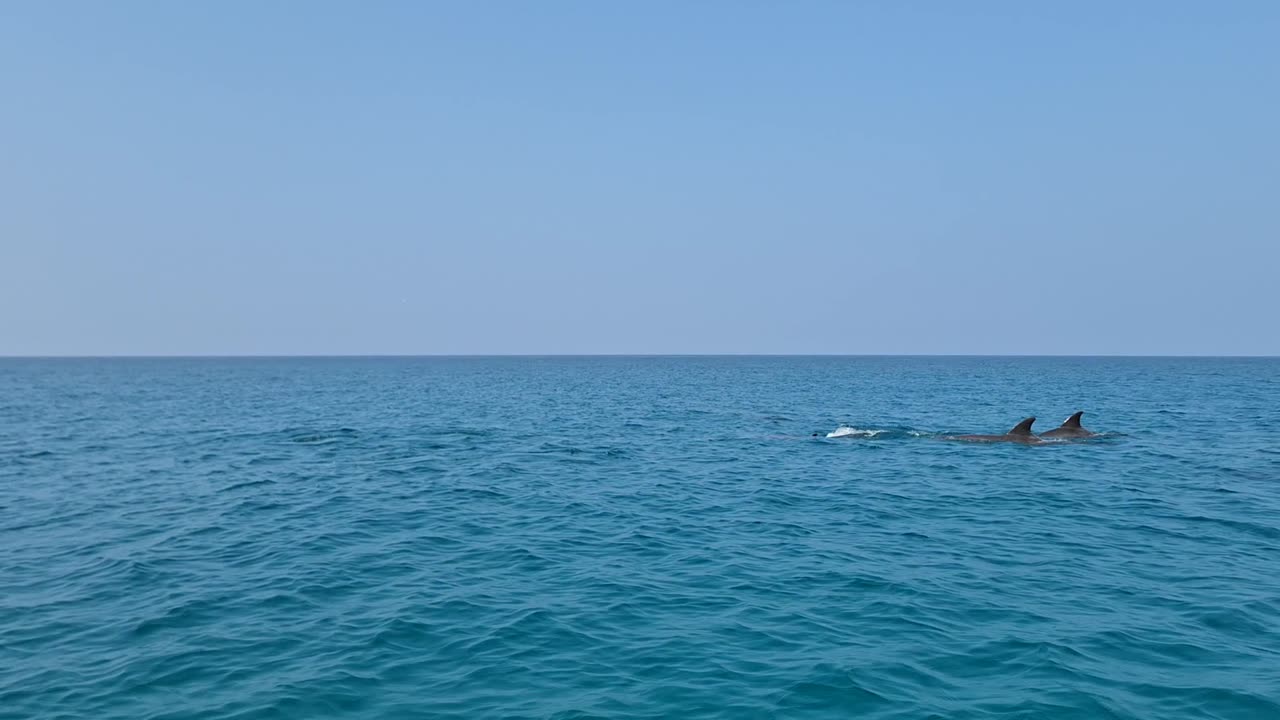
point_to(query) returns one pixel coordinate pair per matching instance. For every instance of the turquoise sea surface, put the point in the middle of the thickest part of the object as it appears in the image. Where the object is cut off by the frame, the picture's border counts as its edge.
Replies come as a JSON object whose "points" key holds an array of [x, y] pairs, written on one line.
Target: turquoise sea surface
{"points": [[637, 537]]}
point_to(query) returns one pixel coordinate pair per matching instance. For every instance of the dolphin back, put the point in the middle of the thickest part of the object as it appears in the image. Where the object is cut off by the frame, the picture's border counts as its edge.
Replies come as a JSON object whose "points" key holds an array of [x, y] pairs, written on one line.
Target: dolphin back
{"points": [[1070, 428]]}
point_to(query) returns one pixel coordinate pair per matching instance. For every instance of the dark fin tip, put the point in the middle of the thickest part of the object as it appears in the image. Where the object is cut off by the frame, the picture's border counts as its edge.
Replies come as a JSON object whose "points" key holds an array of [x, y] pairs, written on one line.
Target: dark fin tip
{"points": [[1073, 421], [1022, 428]]}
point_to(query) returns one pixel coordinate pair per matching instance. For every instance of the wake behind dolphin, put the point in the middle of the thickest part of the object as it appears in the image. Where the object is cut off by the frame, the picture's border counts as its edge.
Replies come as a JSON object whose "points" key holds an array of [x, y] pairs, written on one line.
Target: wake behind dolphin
{"points": [[889, 433]]}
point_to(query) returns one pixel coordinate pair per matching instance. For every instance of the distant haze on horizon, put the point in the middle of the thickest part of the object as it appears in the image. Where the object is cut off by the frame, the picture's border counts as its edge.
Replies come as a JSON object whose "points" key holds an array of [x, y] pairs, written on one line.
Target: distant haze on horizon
{"points": [[647, 178]]}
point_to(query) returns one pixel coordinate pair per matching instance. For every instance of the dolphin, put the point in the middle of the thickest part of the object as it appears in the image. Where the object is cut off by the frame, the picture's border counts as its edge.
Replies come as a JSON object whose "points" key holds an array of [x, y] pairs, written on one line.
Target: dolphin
{"points": [[1021, 433], [1070, 428]]}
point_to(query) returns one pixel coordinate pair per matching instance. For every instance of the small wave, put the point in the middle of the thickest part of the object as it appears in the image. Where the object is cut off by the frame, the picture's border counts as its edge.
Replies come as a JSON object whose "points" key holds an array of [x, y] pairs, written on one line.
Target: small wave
{"points": [[320, 437], [247, 483]]}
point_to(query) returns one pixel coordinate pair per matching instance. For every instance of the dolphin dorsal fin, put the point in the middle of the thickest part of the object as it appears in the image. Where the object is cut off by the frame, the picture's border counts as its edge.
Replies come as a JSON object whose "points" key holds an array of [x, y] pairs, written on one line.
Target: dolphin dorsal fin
{"points": [[1022, 428], [1073, 421]]}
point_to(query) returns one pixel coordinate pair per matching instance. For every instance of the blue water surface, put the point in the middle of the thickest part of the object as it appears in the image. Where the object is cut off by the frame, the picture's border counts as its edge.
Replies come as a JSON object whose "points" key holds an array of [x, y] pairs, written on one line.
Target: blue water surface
{"points": [[637, 537]]}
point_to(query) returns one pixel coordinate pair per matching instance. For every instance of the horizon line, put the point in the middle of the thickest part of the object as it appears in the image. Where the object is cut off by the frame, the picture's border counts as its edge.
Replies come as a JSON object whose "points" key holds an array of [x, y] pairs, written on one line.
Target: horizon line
{"points": [[374, 356]]}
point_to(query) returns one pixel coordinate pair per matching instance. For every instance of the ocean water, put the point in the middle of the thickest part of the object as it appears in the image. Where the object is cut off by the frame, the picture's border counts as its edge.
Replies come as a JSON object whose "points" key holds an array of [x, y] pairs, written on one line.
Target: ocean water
{"points": [[637, 537]]}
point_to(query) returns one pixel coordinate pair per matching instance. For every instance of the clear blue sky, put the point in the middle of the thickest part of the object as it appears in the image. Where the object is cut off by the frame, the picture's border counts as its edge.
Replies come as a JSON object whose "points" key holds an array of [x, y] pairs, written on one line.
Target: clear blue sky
{"points": [[643, 177]]}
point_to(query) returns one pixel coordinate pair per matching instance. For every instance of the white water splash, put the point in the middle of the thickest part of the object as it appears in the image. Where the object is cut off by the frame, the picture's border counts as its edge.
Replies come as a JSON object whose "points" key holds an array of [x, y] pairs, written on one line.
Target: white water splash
{"points": [[846, 431]]}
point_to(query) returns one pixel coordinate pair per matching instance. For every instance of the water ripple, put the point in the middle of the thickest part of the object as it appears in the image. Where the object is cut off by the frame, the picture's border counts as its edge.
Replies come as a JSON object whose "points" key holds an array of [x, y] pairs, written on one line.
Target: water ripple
{"points": [[636, 537]]}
